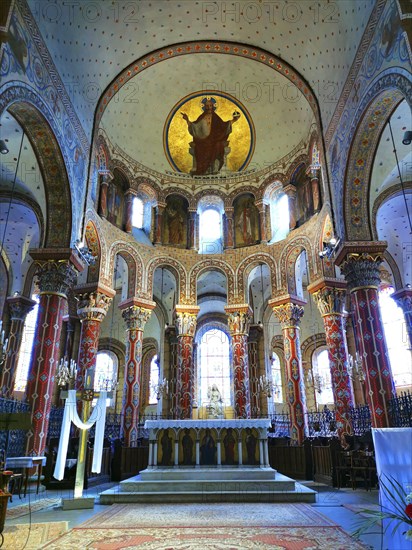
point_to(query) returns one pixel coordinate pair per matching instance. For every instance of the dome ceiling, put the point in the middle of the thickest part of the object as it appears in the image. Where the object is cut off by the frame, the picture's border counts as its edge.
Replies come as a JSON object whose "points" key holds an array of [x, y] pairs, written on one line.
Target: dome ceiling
{"points": [[135, 118], [92, 42]]}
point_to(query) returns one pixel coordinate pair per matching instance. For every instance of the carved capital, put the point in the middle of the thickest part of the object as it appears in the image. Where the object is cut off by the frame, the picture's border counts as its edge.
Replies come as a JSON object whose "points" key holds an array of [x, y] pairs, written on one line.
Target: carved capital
{"points": [[403, 298], [289, 314], [329, 295], [56, 276], [93, 305], [239, 319], [362, 270], [19, 307], [185, 323], [136, 317]]}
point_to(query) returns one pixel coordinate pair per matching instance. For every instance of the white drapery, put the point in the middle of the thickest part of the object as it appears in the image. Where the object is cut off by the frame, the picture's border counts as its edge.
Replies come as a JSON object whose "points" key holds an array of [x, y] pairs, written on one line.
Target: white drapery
{"points": [[71, 415], [393, 451]]}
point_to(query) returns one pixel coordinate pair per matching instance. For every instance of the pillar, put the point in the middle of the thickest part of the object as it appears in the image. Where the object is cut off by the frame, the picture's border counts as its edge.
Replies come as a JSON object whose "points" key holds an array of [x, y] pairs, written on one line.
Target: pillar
{"points": [[128, 225], [170, 361], [253, 356], [290, 191], [104, 185], [55, 277], [93, 304], [228, 228], [314, 180], [289, 311], [261, 205], [192, 229], [403, 299], [185, 323], [239, 317], [360, 265], [136, 313], [330, 297], [19, 307], [159, 222]]}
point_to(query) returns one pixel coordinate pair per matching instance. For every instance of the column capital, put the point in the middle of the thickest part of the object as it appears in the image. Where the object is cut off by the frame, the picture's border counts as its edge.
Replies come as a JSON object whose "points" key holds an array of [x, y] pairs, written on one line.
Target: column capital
{"points": [[137, 301], [290, 190], [288, 309], [186, 319], [93, 301], [57, 269], [136, 317], [359, 262], [329, 295], [260, 204], [19, 307], [106, 176], [403, 297], [239, 318]]}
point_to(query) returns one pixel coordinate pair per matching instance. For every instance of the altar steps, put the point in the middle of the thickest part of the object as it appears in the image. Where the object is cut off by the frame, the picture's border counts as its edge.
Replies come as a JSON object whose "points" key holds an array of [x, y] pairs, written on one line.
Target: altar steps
{"points": [[208, 485]]}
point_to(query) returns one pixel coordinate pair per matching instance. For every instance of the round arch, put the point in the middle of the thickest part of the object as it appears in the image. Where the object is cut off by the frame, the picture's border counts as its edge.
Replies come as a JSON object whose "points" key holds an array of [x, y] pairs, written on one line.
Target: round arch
{"points": [[210, 265]]}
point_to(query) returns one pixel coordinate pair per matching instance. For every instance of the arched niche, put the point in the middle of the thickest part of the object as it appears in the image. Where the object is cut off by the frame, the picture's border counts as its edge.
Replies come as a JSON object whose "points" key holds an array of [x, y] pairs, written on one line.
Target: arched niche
{"points": [[246, 220], [175, 221], [116, 199]]}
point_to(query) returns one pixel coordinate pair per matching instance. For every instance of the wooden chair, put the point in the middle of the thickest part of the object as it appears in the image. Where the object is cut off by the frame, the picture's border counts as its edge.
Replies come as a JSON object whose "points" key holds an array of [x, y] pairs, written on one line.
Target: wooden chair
{"points": [[360, 470]]}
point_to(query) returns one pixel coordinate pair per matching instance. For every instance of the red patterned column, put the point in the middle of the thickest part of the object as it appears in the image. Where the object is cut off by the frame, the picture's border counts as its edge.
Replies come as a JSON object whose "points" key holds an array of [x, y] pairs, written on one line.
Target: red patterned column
{"points": [[228, 233], [253, 356], [289, 311], [185, 327], [330, 298], [136, 313], [238, 320], [159, 222], [403, 299], [19, 307], [359, 263], [93, 304], [55, 277]]}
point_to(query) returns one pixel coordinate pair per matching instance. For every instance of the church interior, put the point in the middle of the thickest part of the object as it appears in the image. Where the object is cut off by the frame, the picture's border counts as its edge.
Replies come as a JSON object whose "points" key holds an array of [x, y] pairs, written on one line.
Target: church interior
{"points": [[205, 273]]}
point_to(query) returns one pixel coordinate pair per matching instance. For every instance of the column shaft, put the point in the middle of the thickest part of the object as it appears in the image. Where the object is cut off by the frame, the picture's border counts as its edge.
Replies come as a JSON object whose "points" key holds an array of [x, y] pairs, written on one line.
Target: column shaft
{"points": [[185, 327]]}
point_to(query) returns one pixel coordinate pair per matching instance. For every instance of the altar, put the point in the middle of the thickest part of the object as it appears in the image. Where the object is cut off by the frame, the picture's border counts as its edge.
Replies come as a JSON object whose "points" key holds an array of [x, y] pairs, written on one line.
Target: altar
{"points": [[214, 460]]}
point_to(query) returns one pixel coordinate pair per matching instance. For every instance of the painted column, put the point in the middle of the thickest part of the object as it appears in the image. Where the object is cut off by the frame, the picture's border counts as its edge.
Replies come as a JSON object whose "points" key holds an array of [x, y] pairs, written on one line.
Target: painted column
{"points": [[254, 334], [185, 327], [314, 179], [19, 307], [136, 313], [360, 265], [228, 233], [93, 304], [192, 229], [330, 297], [159, 222], [55, 277], [403, 299], [239, 317], [104, 185], [170, 353], [289, 311], [128, 226], [290, 191], [261, 205]]}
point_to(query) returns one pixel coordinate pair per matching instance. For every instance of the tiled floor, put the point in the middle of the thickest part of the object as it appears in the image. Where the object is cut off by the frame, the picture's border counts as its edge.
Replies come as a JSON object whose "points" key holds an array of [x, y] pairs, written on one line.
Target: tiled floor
{"points": [[329, 502]]}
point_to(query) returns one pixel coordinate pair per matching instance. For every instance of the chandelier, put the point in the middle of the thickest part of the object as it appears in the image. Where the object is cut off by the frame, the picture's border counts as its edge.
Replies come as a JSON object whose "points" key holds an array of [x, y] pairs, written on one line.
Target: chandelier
{"points": [[355, 367], [267, 387], [3, 345], [161, 388], [66, 373]]}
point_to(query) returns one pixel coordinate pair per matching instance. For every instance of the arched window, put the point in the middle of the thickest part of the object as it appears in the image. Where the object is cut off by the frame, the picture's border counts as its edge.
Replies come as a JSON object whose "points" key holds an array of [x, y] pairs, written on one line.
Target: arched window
{"points": [[105, 373], [214, 366], [277, 393], [154, 380], [396, 336], [210, 231], [138, 213], [322, 380], [26, 347], [279, 216]]}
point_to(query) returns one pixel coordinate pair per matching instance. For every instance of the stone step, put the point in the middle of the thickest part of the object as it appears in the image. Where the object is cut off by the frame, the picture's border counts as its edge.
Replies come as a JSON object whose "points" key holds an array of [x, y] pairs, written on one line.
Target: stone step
{"points": [[208, 473], [300, 494], [210, 486]]}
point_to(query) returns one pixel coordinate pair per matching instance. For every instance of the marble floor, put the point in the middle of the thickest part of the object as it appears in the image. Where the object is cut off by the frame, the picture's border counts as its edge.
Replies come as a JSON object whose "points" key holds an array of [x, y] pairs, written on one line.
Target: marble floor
{"points": [[330, 502]]}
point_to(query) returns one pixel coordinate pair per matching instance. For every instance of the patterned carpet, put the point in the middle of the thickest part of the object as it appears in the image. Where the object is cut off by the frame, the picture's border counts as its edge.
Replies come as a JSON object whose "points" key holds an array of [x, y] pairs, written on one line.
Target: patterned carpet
{"points": [[204, 538], [32, 537], [24, 509], [208, 515]]}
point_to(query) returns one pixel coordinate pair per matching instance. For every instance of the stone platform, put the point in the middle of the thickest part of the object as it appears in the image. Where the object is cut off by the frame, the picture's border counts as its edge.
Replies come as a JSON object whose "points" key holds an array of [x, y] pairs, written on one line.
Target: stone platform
{"points": [[208, 484]]}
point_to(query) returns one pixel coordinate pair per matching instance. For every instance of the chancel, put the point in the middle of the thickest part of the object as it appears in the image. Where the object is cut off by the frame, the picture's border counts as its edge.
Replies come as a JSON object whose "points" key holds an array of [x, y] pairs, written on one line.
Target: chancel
{"points": [[205, 227]]}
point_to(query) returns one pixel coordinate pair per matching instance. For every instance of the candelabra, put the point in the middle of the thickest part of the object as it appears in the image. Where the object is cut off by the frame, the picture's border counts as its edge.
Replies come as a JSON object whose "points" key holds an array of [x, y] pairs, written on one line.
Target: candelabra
{"points": [[161, 388], [107, 384], [66, 373], [266, 386], [318, 383], [355, 367], [3, 345]]}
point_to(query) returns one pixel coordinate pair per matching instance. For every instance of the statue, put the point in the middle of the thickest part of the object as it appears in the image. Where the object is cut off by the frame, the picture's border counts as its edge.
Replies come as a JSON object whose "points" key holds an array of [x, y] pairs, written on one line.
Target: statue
{"points": [[215, 406], [166, 442], [208, 449], [251, 447], [187, 444], [229, 443]]}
